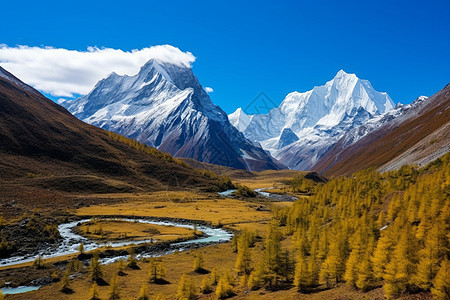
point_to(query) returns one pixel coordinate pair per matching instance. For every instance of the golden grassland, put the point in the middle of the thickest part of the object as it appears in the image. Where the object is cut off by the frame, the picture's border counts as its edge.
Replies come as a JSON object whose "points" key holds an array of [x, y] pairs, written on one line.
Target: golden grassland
{"points": [[266, 179], [221, 257], [122, 230], [216, 210], [231, 213], [254, 215]]}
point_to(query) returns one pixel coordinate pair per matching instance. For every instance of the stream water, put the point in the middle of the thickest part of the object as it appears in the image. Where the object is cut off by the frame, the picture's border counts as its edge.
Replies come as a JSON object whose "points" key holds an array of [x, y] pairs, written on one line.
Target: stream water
{"points": [[71, 240], [262, 192]]}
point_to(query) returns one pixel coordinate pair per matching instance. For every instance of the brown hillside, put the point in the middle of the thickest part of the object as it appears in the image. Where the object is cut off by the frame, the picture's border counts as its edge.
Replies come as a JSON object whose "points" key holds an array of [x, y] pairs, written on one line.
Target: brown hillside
{"points": [[46, 153], [383, 146]]}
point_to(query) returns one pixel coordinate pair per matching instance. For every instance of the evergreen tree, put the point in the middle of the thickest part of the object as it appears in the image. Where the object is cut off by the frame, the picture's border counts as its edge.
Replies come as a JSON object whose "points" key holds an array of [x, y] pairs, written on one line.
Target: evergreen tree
{"points": [[243, 259], [143, 292], [429, 260], [186, 289], [365, 273], [224, 288], [65, 283], [132, 262], [121, 268], [114, 290], [157, 271], [400, 268], [301, 279], [198, 262], [441, 283], [95, 270], [215, 275], [206, 285], [93, 293], [81, 248]]}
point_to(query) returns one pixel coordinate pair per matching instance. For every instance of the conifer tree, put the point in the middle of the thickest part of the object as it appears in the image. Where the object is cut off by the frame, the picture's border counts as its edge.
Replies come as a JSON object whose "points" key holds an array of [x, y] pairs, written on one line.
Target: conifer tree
{"points": [[121, 268], [65, 283], [186, 289], [95, 270], [157, 271], [224, 288], [81, 248], [254, 280], [270, 266], [441, 283], [198, 262], [93, 293], [215, 275], [400, 268], [333, 267], [114, 290], [382, 254], [131, 260], [301, 279], [287, 265], [351, 267], [365, 274], [143, 292], [206, 285], [243, 259]]}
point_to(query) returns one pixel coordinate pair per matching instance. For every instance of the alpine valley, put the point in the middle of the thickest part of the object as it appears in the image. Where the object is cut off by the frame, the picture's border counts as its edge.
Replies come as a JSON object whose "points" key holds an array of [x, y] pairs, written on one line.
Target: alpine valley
{"points": [[88, 213]]}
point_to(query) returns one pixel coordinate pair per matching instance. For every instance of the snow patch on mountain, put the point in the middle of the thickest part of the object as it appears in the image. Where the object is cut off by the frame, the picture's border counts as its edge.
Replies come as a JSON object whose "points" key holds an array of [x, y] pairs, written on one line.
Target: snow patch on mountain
{"points": [[305, 125], [165, 106]]}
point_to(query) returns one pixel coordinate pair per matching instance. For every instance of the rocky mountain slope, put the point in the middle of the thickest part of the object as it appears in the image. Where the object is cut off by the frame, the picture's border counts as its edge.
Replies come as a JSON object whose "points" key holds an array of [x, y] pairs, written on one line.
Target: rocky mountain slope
{"points": [[417, 133], [306, 125], [165, 106], [45, 151]]}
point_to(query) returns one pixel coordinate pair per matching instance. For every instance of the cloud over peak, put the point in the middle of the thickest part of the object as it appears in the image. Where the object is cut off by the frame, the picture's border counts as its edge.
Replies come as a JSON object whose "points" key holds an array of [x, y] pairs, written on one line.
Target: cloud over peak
{"points": [[64, 73]]}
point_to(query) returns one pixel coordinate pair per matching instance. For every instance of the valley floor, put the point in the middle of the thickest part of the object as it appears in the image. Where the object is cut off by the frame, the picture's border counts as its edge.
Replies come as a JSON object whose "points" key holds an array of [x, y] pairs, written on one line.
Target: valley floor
{"points": [[232, 214]]}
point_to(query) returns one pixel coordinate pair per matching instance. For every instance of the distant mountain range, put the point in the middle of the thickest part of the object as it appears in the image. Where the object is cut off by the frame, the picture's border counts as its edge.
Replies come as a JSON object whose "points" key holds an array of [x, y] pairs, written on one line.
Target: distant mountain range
{"points": [[417, 134], [306, 125], [164, 106], [336, 128]]}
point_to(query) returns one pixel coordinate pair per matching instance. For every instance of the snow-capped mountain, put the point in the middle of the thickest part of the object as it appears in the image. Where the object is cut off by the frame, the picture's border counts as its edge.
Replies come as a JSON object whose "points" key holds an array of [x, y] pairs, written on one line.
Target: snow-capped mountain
{"points": [[240, 119], [306, 125], [165, 106], [414, 134]]}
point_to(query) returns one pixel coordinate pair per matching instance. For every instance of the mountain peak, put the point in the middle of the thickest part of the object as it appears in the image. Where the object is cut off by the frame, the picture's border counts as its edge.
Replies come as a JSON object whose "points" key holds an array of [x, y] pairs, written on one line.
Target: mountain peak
{"points": [[165, 106], [341, 74], [239, 119]]}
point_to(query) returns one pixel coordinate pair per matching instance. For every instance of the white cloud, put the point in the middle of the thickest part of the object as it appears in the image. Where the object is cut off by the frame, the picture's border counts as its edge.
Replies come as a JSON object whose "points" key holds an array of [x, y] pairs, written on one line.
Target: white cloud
{"points": [[209, 89], [63, 73]]}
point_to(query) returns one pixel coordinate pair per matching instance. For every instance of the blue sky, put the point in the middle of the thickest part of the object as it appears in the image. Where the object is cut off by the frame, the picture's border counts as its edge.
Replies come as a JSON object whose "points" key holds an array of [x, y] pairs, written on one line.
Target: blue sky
{"points": [[402, 47]]}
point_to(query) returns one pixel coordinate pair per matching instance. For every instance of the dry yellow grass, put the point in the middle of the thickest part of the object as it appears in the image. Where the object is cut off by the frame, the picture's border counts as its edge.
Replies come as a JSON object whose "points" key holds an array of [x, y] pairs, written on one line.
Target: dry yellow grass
{"points": [[121, 230], [232, 213], [218, 211], [266, 179]]}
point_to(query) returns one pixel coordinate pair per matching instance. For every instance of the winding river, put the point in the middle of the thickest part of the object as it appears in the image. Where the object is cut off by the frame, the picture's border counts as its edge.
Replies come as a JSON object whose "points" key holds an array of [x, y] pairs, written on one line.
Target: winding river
{"points": [[262, 192], [71, 241]]}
